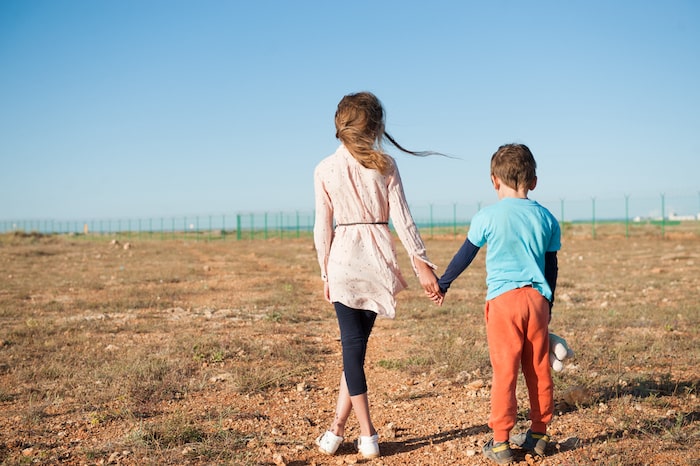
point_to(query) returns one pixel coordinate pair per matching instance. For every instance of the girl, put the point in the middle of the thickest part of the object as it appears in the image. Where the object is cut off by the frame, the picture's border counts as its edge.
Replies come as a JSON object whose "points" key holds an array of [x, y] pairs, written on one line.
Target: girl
{"points": [[359, 188]]}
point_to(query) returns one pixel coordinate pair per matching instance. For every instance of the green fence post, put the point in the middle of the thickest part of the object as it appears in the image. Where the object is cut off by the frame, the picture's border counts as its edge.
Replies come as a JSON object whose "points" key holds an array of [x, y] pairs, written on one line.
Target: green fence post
{"points": [[431, 220], [562, 210], [238, 226], [663, 216], [454, 219], [265, 225], [593, 219], [627, 216]]}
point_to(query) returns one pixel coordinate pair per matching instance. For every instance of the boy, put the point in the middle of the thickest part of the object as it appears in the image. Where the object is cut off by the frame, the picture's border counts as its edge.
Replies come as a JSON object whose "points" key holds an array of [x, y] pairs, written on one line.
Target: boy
{"points": [[521, 273]]}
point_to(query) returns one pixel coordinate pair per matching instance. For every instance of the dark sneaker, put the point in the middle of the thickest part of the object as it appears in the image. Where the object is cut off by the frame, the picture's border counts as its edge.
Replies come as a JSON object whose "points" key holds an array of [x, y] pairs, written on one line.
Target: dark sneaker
{"points": [[531, 441], [499, 452]]}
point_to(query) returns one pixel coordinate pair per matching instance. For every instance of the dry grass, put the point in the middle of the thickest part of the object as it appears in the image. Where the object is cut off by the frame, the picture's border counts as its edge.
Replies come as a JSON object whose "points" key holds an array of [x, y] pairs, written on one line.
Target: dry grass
{"points": [[224, 352]]}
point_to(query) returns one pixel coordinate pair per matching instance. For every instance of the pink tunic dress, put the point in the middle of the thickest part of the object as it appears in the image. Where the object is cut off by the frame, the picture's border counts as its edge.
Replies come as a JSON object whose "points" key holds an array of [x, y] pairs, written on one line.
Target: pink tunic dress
{"points": [[358, 257]]}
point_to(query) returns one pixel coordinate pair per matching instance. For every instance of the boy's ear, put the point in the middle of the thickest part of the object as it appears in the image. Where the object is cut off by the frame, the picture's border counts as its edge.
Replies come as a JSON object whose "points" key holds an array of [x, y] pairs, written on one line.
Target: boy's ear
{"points": [[496, 182], [534, 184]]}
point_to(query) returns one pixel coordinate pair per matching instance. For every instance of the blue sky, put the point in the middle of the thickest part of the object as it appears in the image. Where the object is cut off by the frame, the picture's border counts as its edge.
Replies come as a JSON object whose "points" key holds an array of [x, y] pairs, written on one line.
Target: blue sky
{"points": [[155, 108]]}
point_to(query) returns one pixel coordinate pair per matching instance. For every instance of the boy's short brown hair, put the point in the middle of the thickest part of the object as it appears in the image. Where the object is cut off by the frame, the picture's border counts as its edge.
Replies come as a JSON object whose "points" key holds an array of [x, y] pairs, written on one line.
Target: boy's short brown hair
{"points": [[515, 165]]}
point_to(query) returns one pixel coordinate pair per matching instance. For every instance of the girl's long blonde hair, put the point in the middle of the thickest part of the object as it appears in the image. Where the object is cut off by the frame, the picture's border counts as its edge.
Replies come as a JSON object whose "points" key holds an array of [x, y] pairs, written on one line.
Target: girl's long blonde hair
{"points": [[359, 124]]}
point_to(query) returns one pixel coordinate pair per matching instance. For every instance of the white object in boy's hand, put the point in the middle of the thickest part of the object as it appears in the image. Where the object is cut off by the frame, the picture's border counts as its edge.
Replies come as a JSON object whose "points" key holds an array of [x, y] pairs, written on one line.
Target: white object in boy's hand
{"points": [[558, 351]]}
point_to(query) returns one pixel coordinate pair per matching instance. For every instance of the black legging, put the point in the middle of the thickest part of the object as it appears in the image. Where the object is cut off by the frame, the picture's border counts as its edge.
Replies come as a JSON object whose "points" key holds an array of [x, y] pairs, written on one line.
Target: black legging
{"points": [[355, 327]]}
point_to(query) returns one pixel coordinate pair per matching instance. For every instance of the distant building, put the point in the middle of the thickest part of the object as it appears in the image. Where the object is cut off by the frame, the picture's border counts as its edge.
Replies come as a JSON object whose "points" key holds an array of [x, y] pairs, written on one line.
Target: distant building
{"points": [[674, 216]]}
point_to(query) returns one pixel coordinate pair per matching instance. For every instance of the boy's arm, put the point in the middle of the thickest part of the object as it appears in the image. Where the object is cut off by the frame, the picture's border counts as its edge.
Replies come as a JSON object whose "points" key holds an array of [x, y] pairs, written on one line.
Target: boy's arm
{"points": [[458, 264], [551, 270]]}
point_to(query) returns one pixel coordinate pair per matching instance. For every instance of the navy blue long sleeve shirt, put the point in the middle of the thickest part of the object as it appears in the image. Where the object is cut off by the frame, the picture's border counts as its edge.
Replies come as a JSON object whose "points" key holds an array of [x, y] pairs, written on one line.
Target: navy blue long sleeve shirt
{"points": [[468, 251]]}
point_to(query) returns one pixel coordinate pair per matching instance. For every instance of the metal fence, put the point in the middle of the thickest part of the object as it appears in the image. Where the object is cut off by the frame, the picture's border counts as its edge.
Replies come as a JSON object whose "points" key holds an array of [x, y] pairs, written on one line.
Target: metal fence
{"points": [[206, 227], [594, 217]]}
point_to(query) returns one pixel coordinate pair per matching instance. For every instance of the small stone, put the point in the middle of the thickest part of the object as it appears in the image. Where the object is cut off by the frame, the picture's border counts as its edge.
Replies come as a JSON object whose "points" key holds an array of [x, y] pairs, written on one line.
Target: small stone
{"points": [[577, 395], [279, 460], [221, 378], [475, 385]]}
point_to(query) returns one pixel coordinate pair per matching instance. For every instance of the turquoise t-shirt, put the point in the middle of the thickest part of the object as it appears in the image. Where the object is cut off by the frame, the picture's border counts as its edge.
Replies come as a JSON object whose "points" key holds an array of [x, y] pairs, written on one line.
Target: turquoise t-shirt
{"points": [[518, 233]]}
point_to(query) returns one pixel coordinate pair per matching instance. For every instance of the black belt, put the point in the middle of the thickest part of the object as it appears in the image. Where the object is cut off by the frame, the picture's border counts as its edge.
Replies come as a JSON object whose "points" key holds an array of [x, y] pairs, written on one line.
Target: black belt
{"points": [[361, 223]]}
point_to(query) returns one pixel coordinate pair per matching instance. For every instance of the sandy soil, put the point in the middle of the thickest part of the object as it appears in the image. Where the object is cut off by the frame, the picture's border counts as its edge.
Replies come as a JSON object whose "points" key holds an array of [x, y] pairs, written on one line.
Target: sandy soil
{"points": [[73, 308]]}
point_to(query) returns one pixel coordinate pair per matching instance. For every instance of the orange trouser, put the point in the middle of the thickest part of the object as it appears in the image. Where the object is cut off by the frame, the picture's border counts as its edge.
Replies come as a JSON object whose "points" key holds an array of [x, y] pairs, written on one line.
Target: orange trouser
{"points": [[517, 331]]}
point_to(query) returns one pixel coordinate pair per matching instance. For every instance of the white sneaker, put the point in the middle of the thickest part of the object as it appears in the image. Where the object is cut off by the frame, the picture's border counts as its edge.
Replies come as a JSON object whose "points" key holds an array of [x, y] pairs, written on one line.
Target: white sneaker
{"points": [[368, 446], [328, 442]]}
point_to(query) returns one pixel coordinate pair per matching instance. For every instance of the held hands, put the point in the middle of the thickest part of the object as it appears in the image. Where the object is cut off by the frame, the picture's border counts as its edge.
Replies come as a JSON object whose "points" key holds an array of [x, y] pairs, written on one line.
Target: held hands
{"points": [[437, 298], [429, 282]]}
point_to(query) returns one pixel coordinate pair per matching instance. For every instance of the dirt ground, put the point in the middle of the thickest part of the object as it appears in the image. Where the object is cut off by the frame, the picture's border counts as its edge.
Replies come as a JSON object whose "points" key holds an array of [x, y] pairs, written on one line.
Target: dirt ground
{"points": [[224, 352]]}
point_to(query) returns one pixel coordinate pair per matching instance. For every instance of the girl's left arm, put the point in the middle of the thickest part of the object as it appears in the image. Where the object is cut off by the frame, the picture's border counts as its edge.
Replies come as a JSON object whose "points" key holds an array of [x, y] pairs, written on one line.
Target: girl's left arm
{"points": [[408, 232], [323, 224]]}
